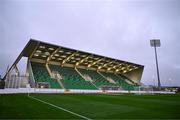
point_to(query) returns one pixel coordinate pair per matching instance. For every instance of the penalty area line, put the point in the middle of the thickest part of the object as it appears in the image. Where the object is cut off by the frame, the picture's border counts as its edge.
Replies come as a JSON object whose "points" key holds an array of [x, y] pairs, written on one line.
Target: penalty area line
{"points": [[60, 108]]}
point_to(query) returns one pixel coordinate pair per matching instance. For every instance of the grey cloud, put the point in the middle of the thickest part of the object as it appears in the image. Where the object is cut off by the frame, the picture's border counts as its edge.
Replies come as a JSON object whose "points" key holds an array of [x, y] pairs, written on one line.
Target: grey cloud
{"points": [[118, 28]]}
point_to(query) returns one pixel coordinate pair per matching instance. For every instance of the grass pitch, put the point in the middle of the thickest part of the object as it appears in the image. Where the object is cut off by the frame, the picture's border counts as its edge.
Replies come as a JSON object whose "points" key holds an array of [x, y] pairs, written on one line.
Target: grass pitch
{"points": [[93, 106]]}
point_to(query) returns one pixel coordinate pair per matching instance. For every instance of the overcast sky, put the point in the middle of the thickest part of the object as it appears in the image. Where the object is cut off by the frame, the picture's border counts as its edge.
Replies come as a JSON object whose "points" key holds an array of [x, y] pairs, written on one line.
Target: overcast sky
{"points": [[115, 28]]}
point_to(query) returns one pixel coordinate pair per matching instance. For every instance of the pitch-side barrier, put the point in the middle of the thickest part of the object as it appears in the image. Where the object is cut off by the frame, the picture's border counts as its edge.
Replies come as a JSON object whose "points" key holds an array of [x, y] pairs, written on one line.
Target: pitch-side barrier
{"points": [[38, 90]]}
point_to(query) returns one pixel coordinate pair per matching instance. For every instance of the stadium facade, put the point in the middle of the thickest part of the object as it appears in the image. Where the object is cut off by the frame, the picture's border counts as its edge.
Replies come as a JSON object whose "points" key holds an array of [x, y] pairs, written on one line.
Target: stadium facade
{"points": [[54, 66]]}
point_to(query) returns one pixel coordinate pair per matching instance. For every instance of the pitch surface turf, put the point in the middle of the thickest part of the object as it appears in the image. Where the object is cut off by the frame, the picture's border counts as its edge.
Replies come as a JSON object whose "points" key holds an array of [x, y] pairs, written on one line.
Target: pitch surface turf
{"points": [[93, 106]]}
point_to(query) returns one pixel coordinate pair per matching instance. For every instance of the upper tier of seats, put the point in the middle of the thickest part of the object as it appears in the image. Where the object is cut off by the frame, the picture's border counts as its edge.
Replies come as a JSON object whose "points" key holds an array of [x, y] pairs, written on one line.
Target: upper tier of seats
{"points": [[98, 80], [41, 75], [71, 79]]}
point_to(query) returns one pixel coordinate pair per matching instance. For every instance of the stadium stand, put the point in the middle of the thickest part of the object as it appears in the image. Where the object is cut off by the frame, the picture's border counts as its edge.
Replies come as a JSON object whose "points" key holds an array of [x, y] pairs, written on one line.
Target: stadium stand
{"points": [[58, 67]]}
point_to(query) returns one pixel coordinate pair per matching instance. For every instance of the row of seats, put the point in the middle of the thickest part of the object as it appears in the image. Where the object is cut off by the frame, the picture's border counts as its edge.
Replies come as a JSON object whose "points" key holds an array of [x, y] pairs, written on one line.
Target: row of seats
{"points": [[41, 75], [71, 79]]}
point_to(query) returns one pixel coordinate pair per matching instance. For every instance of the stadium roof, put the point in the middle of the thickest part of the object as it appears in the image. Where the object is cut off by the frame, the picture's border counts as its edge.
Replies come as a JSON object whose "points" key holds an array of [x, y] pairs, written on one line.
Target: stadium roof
{"points": [[49, 53]]}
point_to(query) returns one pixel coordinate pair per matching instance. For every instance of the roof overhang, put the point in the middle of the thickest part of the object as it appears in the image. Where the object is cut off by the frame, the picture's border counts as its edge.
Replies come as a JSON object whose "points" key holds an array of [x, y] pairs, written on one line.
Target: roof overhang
{"points": [[53, 53], [50, 53]]}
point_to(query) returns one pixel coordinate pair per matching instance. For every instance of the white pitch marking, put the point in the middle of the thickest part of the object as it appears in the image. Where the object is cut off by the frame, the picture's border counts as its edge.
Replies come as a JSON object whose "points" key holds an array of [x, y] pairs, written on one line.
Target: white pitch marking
{"points": [[60, 108]]}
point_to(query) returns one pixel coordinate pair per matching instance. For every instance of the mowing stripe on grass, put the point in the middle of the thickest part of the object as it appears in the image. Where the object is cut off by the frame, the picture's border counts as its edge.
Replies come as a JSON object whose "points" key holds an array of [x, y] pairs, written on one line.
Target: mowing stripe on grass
{"points": [[81, 116]]}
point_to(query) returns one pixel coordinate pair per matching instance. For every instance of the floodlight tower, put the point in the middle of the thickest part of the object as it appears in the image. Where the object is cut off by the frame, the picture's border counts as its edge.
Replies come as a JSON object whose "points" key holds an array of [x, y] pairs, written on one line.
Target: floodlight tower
{"points": [[156, 43]]}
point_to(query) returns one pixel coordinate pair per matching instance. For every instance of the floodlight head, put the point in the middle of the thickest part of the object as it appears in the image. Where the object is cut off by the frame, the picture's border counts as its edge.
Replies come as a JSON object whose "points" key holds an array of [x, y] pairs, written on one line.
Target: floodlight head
{"points": [[155, 43]]}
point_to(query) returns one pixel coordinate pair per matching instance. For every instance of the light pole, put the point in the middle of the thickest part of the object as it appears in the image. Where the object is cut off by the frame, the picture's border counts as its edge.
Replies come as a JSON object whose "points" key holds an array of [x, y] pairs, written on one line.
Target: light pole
{"points": [[156, 43]]}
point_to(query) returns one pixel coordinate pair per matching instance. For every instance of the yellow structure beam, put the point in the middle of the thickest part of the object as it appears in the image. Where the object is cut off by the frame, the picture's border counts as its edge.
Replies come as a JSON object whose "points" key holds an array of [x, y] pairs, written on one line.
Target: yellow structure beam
{"points": [[100, 59], [49, 58], [66, 59], [82, 60]]}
